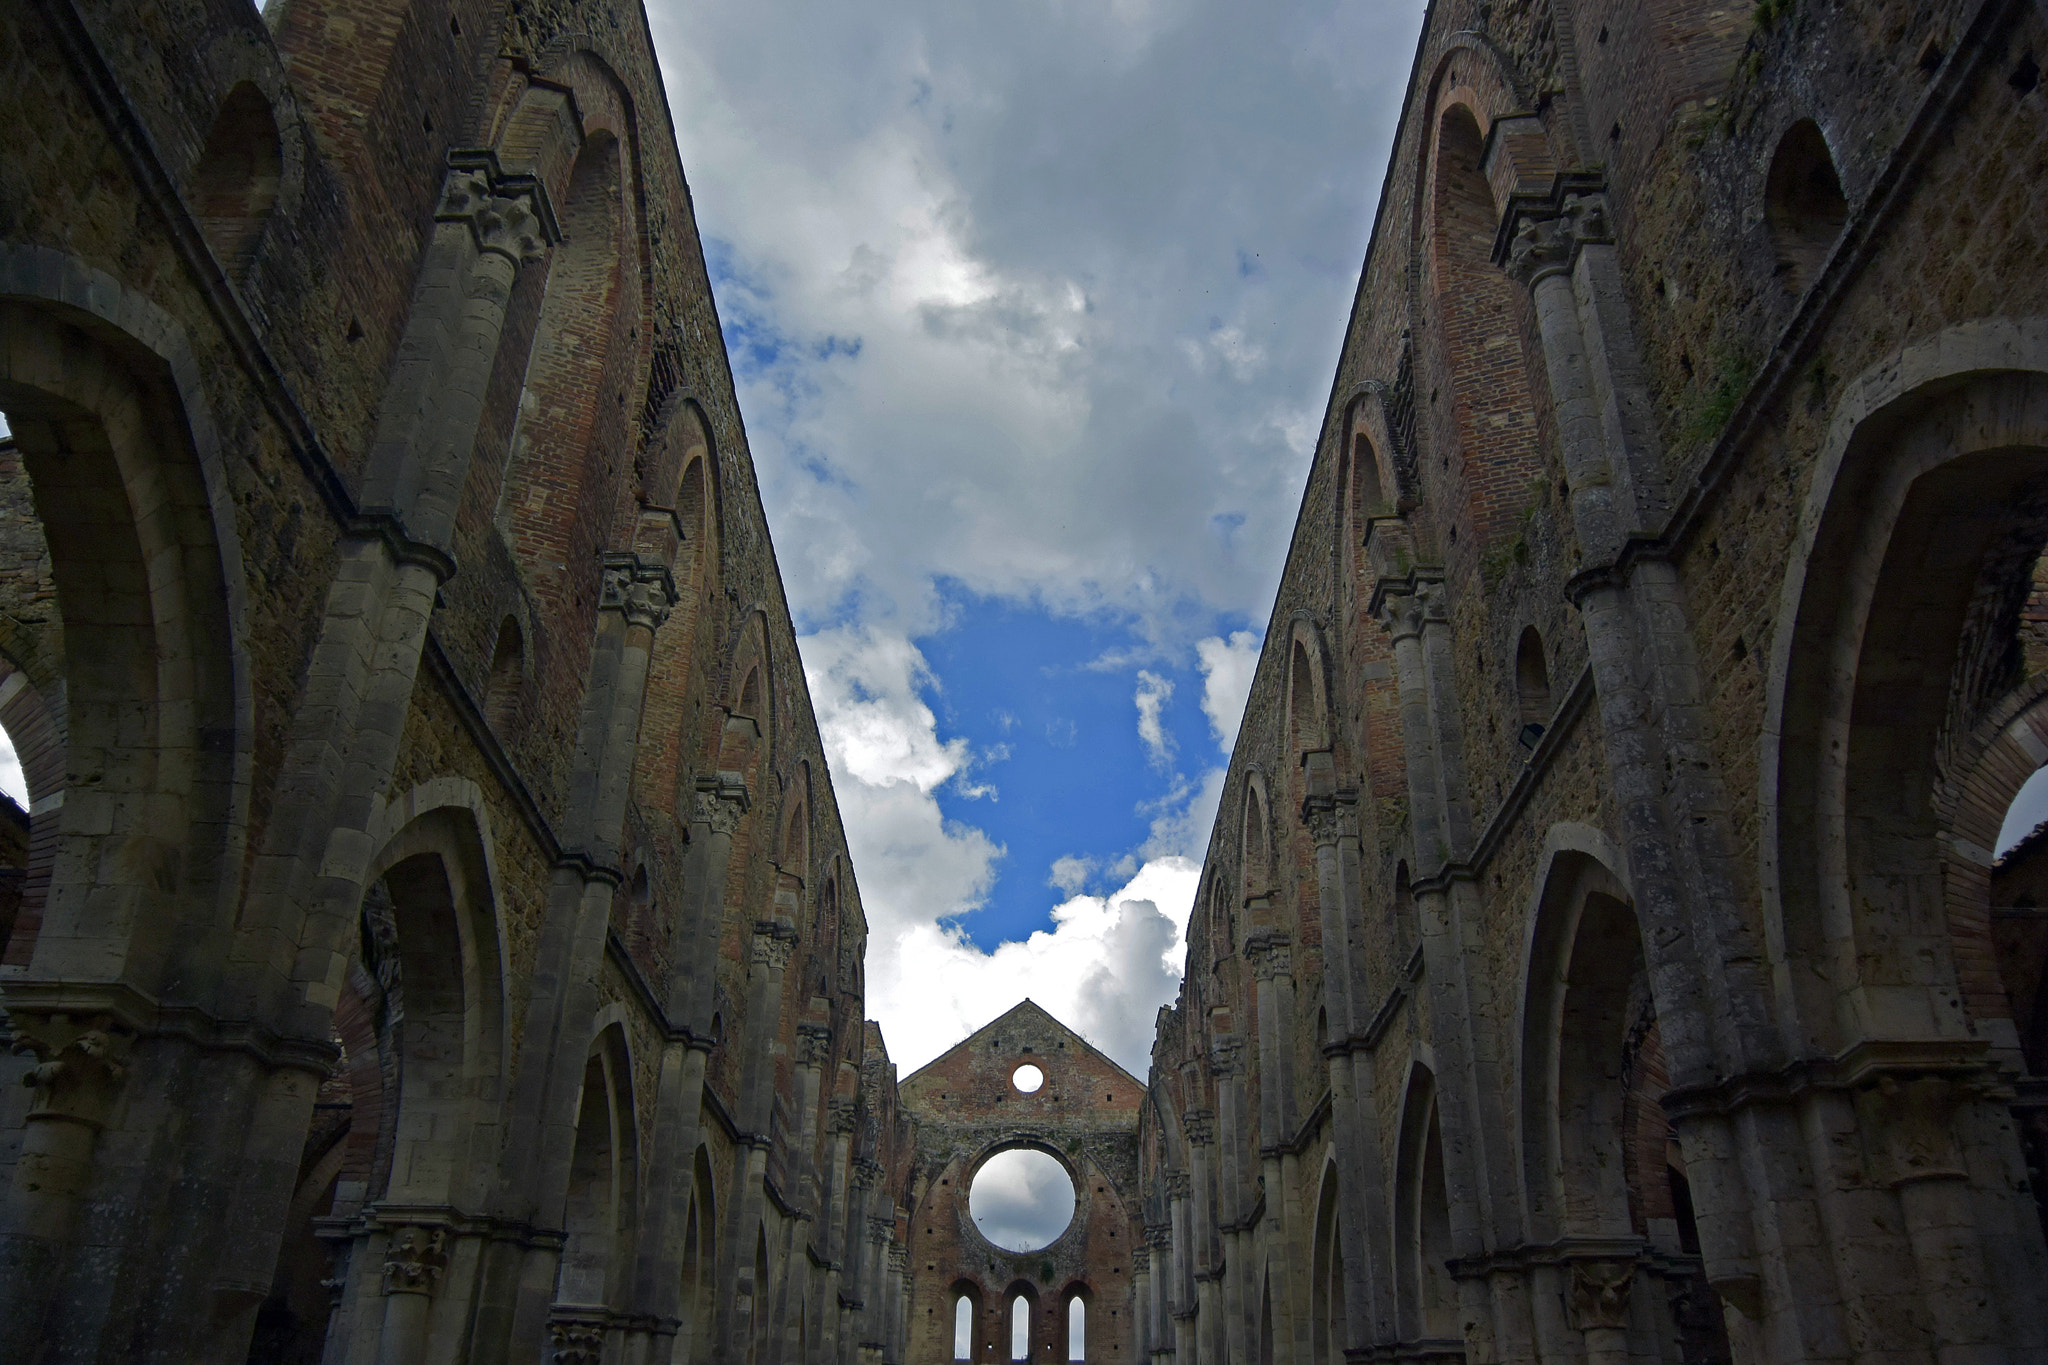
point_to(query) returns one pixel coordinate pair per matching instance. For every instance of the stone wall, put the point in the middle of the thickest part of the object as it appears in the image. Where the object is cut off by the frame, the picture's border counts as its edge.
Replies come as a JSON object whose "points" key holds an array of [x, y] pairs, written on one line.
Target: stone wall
{"points": [[1647, 680], [434, 935]]}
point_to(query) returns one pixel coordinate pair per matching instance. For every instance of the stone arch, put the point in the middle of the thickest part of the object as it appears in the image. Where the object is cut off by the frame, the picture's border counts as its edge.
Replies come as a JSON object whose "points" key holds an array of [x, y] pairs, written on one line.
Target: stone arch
{"points": [[964, 1303], [436, 869], [679, 524], [603, 1173], [505, 687], [237, 179], [1329, 1321], [748, 736], [698, 1266], [1308, 719], [1533, 703], [1425, 1301], [794, 856], [1255, 841], [1020, 1304], [567, 434], [1075, 1320], [110, 423], [1896, 605], [1804, 208], [1485, 434]]}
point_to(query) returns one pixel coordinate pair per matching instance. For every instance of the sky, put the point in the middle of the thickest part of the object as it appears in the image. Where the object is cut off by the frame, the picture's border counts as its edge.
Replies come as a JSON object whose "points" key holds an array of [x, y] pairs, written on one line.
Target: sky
{"points": [[1033, 310]]}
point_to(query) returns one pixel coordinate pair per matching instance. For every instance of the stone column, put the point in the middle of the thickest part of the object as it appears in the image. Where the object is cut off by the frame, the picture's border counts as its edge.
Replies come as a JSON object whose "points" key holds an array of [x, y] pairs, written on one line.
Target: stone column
{"points": [[831, 1285], [774, 944], [1180, 1199]]}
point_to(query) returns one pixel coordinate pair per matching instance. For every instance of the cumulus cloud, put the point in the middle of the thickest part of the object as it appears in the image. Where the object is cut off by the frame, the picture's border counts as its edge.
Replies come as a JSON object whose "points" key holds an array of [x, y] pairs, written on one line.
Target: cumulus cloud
{"points": [[1104, 968], [1152, 695], [1227, 669], [1055, 332]]}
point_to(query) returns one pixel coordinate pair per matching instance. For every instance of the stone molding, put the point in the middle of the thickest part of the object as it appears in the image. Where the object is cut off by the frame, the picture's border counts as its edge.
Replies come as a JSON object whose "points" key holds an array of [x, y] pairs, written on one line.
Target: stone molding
{"points": [[35, 1007]]}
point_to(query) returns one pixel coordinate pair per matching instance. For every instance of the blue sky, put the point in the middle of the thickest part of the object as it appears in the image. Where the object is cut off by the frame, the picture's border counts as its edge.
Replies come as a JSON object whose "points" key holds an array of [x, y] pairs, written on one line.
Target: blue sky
{"points": [[1033, 310]]}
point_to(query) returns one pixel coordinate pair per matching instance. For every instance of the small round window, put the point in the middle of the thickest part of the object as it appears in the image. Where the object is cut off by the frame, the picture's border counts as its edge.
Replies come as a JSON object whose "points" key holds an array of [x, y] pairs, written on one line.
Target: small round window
{"points": [[1027, 1078]]}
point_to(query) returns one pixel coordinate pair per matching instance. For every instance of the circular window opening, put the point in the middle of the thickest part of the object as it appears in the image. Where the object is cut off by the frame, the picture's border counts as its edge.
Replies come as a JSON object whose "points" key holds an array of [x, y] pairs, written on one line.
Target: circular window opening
{"points": [[1021, 1199], [1027, 1078]]}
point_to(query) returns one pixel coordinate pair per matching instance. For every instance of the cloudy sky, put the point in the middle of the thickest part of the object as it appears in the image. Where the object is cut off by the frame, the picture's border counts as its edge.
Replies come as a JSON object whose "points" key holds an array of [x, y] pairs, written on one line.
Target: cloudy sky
{"points": [[1034, 308]]}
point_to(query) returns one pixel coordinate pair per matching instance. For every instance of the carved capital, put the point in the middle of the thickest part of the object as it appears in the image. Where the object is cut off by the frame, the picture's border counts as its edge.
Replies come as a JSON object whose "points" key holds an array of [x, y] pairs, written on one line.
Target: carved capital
{"points": [[813, 1044], [1404, 614], [643, 593], [880, 1229], [720, 808], [1199, 1125], [867, 1173], [414, 1260], [1159, 1235], [1600, 1294], [575, 1342], [81, 1061], [1327, 820], [1226, 1058], [1547, 245], [1179, 1185], [508, 215], [899, 1258], [840, 1116], [1270, 953], [774, 944]]}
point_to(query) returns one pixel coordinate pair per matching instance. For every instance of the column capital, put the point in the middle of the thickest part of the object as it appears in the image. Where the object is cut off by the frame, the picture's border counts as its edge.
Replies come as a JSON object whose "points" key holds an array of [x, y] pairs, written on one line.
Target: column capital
{"points": [[841, 1115], [1545, 239], [81, 1061], [813, 1044], [1599, 1294], [1404, 613], [414, 1259], [1226, 1058], [1199, 1125], [1179, 1185], [720, 803], [642, 591], [1271, 954], [774, 943], [508, 215]]}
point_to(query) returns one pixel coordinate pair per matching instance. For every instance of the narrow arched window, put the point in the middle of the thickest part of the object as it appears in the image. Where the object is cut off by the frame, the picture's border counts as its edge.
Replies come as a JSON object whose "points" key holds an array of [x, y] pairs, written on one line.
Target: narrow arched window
{"points": [[1020, 1328], [1365, 478], [508, 669], [235, 184], [1077, 1328], [963, 1328], [1803, 204], [1532, 687]]}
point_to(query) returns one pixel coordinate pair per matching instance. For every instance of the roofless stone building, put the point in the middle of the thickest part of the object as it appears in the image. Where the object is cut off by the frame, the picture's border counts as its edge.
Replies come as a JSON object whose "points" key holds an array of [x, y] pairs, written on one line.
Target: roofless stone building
{"points": [[430, 937]]}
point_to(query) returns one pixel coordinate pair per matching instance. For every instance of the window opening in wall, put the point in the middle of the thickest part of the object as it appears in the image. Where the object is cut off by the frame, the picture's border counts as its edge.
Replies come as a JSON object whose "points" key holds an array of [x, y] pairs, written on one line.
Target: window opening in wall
{"points": [[235, 184], [508, 666], [1372, 502], [1803, 204], [1020, 1328], [1077, 1329], [1021, 1199], [963, 1328], [1028, 1079], [1532, 687]]}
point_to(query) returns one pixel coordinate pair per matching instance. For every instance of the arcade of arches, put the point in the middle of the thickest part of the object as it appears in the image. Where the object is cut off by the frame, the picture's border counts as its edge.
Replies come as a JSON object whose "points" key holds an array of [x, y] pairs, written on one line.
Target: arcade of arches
{"points": [[429, 934]]}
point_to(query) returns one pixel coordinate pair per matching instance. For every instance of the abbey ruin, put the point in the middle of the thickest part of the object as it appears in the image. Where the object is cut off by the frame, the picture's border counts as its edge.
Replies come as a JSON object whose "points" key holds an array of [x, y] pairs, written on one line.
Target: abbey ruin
{"points": [[431, 938]]}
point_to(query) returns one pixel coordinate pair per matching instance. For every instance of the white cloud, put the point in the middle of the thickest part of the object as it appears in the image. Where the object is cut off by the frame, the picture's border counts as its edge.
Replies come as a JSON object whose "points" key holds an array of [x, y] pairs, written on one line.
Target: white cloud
{"points": [[1152, 695], [1070, 873], [1227, 669], [1104, 968]]}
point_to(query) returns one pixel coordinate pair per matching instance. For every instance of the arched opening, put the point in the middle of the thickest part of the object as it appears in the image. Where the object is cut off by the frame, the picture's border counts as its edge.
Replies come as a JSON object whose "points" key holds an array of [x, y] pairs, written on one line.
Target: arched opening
{"points": [[1803, 204], [1368, 498], [504, 689], [673, 686], [757, 1302], [1486, 425], [966, 1313], [598, 1194], [1304, 701], [1602, 1161], [1255, 858], [1401, 919], [1020, 1327], [1532, 687], [1426, 1297], [1077, 1327], [236, 180], [1329, 1327], [570, 431], [1266, 1320], [698, 1267]]}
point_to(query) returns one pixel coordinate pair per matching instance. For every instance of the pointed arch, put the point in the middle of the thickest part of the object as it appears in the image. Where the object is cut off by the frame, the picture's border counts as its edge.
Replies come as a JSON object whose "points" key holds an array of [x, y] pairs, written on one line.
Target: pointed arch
{"points": [[1425, 1301], [1255, 840]]}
